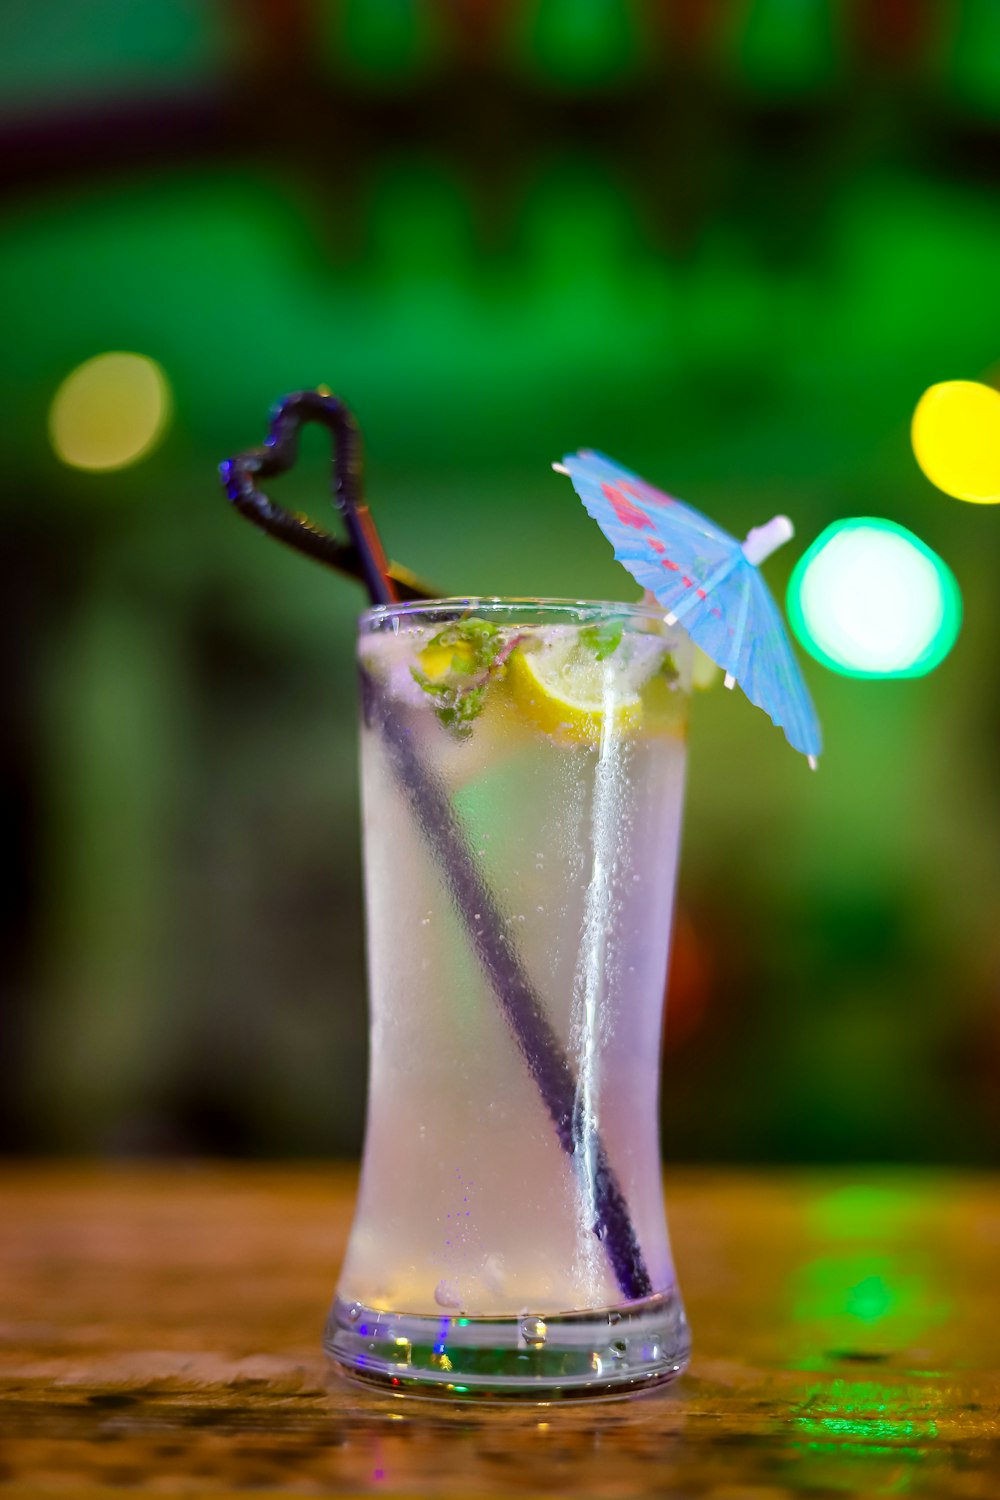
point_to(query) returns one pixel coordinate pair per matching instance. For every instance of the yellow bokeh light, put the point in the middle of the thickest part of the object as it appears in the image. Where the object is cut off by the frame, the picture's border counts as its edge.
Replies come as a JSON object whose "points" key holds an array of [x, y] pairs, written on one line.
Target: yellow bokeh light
{"points": [[109, 411], [956, 439]]}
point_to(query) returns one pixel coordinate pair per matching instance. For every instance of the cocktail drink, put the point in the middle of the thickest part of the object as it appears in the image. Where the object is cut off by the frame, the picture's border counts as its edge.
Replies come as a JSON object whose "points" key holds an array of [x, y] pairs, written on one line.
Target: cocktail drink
{"points": [[522, 774], [523, 768]]}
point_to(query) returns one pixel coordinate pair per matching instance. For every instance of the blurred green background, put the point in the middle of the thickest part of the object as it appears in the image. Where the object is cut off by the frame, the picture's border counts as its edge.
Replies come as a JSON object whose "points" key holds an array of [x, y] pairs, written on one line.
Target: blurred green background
{"points": [[728, 241]]}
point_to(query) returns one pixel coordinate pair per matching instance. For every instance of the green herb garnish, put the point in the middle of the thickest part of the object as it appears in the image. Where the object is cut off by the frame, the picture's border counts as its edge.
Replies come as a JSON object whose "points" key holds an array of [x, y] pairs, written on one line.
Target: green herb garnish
{"points": [[457, 665], [602, 639]]}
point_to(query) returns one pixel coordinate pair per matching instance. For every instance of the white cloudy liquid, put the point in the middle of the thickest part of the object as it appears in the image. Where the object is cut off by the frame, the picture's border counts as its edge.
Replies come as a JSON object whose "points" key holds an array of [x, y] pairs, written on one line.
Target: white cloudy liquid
{"points": [[469, 1203]]}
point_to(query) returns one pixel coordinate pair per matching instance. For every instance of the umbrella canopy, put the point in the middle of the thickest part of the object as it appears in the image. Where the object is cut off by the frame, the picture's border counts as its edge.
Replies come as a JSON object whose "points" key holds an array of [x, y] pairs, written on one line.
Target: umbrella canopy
{"points": [[708, 581]]}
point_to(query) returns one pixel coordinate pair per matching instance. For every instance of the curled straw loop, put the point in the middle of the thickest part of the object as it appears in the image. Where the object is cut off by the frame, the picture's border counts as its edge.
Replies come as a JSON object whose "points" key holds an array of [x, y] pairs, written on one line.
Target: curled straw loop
{"points": [[361, 556]]}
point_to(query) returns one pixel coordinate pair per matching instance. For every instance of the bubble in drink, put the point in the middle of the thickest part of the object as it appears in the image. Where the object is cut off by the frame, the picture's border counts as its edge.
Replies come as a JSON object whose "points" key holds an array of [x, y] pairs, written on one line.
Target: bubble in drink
{"points": [[533, 1332]]}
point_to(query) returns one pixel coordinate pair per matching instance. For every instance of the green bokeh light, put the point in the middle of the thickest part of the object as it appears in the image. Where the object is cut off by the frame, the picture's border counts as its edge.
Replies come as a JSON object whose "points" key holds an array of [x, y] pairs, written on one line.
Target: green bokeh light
{"points": [[865, 1211], [975, 63], [870, 599], [582, 43], [387, 43], [869, 1299], [787, 47]]}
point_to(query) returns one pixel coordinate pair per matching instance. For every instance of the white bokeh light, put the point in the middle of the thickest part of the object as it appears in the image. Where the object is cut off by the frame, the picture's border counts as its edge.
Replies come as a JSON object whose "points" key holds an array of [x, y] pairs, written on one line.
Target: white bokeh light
{"points": [[870, 599]]}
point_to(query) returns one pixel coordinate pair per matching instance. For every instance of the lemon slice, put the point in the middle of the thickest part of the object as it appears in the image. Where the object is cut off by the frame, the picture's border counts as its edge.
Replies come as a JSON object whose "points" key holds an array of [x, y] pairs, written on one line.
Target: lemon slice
{"points": [[570, 695]]}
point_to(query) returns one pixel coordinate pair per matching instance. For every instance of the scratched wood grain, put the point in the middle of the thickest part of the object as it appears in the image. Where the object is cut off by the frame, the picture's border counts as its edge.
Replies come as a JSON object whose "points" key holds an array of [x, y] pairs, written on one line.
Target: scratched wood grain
{"points": [[160, 1327]]}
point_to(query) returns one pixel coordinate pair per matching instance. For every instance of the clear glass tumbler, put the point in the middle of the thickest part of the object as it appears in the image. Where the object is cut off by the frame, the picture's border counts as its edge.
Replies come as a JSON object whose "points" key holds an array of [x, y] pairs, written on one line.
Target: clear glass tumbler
{"points": [[522, 776]]}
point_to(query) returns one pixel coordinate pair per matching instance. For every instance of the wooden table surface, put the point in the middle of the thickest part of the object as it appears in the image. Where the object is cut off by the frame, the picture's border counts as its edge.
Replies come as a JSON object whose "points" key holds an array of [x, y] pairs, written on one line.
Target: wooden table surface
{"points": [[159, 1328]]}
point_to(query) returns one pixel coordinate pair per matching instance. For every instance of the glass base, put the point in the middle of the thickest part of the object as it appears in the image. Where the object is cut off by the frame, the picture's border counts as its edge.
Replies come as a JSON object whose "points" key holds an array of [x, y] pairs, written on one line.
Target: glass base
{"points": [[584, 1354]]}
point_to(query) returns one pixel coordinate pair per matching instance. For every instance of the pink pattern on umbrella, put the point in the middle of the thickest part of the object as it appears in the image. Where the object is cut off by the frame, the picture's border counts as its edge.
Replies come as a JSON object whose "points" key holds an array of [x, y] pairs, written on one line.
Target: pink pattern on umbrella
{"points": [[627, 513]]}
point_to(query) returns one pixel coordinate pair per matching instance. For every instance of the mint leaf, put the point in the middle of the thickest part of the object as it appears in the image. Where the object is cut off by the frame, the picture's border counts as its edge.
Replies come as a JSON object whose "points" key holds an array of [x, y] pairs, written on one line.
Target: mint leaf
{"points": [[435, 688], [477, 652], [474, 643], [459, 714], [602, 639]]}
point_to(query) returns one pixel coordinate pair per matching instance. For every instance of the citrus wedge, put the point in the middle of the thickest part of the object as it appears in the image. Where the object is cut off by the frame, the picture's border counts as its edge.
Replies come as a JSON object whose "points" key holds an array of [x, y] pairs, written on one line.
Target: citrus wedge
{"points": [[570, 695]]}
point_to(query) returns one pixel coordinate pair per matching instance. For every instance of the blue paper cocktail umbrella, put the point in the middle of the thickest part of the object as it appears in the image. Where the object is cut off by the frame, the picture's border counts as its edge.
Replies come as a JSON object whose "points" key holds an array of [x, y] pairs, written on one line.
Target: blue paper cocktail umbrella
{"points": [[708, 582]]}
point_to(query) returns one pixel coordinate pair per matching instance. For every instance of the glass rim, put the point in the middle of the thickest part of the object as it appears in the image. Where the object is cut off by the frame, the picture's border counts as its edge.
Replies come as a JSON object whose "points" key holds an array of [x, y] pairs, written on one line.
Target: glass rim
{"points": [[405, 609]]}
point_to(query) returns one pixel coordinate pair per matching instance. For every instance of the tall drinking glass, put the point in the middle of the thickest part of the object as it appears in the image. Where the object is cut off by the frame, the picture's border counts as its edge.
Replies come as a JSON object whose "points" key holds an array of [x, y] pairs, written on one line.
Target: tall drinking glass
{"points": [[522, 777]]}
